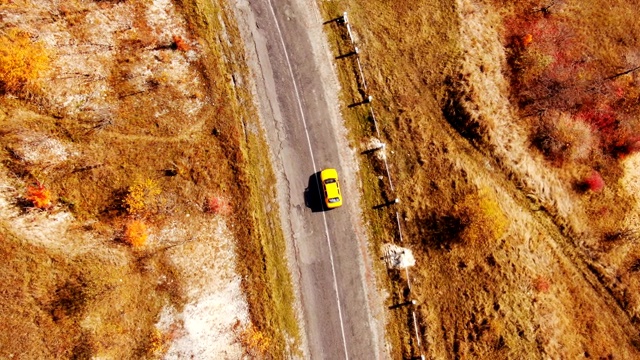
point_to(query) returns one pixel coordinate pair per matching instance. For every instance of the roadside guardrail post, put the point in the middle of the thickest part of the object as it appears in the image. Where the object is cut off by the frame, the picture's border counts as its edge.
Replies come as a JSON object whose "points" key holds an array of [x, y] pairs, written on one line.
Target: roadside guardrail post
{"points": [[344, 19]]}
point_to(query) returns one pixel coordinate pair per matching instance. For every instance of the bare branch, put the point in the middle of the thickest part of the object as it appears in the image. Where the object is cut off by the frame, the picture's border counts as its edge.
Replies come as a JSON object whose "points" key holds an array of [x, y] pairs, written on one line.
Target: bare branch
{"points": [[622, 73]]}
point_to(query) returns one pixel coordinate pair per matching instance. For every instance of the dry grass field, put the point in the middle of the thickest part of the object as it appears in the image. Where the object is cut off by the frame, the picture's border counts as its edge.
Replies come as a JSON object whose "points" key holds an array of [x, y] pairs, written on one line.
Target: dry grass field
{"points": [[512, 139], [131, 180]]}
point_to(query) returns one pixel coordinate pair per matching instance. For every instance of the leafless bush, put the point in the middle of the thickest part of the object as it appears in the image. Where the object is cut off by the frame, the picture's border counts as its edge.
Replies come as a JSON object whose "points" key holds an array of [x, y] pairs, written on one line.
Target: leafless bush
{"points": [[560, 138], [442, 231]]}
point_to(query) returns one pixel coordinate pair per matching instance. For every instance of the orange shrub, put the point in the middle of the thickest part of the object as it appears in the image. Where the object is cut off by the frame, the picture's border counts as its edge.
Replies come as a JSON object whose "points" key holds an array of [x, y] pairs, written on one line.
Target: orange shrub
{"points": [[541, 284], [180, 44], [157, 342], [39, 196], [135, 233]]}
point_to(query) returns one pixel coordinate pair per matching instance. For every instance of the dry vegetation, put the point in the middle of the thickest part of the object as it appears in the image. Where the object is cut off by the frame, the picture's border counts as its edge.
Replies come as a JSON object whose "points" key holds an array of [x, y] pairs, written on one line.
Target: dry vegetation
{"points": [[131, 178], [21, 60], [512, 137]]}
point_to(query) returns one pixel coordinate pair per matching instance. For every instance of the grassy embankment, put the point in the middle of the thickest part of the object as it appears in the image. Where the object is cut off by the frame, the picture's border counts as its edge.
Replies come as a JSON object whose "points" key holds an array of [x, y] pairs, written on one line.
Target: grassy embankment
{"points": [[467, 152]]}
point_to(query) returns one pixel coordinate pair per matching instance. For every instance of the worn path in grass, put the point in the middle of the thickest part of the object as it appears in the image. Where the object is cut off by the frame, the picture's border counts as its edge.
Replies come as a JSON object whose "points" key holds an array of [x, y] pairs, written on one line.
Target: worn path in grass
{"points": [[297, 94]]}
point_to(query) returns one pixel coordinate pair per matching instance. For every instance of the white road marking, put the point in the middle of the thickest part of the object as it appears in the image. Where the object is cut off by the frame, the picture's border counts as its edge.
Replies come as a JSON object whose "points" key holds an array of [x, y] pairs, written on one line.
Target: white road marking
{"points": [[315, 171]]}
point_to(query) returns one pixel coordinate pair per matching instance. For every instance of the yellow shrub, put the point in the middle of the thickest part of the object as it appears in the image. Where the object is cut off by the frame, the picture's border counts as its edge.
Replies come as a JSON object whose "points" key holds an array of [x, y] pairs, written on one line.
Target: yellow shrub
{"points": [[483, 220], [141, 195], [21, 60], [157, 343], [254, 341], [135, 233]]}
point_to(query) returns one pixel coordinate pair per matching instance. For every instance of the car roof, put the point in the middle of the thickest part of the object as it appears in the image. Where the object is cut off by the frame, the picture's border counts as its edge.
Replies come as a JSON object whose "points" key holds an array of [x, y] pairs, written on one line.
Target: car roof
{"points": [[332, 190]]}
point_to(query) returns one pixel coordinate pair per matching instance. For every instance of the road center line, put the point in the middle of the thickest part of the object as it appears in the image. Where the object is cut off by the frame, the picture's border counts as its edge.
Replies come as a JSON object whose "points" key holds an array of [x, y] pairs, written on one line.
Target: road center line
{"points": [[315, 171]]}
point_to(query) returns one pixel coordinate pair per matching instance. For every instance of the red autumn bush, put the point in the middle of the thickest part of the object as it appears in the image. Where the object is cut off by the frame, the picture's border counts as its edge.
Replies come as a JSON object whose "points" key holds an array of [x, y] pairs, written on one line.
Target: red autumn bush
{"points": [[618, 132], [593, 182], [624, 145], [602, 120], [217, 205], [554, 69], [541, 284]]}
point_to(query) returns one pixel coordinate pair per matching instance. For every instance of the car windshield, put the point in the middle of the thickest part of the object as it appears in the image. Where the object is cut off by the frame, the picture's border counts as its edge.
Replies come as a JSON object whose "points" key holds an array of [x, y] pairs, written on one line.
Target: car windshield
{"points": [[330, 181]]}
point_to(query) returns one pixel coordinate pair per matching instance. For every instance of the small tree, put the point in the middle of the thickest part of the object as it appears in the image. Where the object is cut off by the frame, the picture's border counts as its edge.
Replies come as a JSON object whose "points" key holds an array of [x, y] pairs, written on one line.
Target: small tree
{"points": [[561, 138], [21, 60]]}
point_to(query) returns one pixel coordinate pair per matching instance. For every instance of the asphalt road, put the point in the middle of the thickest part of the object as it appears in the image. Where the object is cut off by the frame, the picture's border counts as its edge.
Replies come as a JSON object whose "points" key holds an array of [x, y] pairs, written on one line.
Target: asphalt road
{"points": [[297, 94]]}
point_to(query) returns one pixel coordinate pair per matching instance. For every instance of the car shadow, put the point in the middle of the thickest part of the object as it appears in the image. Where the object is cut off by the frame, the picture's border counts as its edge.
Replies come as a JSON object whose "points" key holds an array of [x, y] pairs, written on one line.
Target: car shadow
{"points": [[313, 197]]}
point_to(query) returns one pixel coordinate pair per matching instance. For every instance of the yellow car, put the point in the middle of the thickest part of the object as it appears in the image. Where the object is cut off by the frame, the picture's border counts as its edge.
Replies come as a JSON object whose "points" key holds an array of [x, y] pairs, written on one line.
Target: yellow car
{"points": [[331, 187]]}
